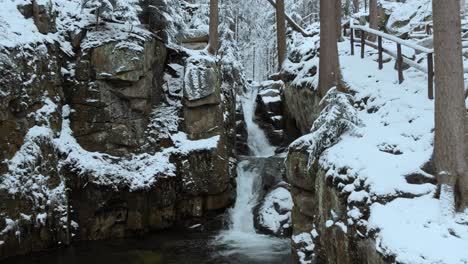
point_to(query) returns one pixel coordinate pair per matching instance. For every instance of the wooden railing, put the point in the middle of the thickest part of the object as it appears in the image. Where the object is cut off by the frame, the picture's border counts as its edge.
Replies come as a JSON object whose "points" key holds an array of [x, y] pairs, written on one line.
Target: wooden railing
{"points": [[400, 59]]}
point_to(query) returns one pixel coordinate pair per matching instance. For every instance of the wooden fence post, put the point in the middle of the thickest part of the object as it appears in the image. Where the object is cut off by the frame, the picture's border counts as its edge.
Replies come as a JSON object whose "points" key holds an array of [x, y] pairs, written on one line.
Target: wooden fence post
{"points": [[352, 41], [400, 64], [380, 53], [430, 75], [363, 44]]}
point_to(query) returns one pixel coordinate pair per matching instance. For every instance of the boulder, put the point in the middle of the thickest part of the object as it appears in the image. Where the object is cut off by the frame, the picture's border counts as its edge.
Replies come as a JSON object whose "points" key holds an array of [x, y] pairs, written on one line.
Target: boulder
{"points": [[273, 214], [203, 112], [44, 16]]}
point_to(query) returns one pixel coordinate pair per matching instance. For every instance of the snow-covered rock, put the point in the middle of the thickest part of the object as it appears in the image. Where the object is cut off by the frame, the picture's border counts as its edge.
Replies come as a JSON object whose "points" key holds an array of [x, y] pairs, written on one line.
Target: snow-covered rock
{"points": [[274, 213]]}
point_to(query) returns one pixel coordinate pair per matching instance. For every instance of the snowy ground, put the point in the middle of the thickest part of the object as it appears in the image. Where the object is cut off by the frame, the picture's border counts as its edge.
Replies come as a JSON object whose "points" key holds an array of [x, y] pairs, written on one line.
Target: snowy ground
{"points": [[396, 142], [380, 164]]}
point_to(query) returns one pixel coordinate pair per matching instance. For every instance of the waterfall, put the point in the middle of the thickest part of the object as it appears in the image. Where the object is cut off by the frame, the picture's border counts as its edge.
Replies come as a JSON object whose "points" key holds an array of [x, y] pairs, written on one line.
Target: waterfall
{"points": [[257, 141], [242, 243]]}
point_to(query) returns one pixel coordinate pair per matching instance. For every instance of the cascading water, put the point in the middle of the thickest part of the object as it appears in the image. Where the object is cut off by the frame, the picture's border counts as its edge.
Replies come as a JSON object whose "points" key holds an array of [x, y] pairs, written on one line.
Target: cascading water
{"points": [[257, 141], [242, 243]]}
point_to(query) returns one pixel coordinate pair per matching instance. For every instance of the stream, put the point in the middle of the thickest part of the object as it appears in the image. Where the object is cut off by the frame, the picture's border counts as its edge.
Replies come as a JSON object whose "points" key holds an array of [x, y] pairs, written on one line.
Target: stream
{"points": [[237, 244]]}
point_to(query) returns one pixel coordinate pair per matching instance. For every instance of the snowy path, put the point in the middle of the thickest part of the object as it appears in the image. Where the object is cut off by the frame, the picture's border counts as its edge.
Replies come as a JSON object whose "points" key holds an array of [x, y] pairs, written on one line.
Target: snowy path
{"points": [[396, 143]]}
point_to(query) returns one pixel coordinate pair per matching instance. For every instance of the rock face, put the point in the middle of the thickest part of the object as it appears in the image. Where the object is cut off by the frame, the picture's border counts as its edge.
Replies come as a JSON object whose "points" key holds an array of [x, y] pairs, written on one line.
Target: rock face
{"points": [[100, 138], [271, 114], [114, 95], [320, 230], [301, 106]]}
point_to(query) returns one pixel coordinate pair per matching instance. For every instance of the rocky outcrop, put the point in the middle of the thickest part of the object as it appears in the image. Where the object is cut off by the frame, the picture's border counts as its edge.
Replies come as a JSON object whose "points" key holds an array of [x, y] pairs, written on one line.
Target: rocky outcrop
{"points": [[100, 139], [301, 107], [321, 231]]}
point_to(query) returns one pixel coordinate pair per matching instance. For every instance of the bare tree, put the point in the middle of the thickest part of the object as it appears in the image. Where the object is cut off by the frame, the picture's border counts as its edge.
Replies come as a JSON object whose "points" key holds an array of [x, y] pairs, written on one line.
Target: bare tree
{"points": [[214, 22], [281, 32], [329, 73], [373, 18], [450, 110]]}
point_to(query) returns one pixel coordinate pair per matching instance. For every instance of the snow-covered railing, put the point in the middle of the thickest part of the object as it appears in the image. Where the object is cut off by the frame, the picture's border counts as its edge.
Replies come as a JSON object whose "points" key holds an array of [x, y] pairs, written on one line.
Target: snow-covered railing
{"points": [[400, 59]]}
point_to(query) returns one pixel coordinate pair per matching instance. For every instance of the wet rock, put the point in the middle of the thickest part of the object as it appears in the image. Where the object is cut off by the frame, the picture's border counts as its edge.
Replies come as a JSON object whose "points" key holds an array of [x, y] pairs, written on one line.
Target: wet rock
{"points": [[241, 146], [106, 212]]}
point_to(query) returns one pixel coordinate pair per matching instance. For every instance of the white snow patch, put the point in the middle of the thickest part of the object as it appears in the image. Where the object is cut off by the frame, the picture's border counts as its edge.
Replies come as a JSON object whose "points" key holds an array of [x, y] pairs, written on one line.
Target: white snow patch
{"points": [[280, 198]]}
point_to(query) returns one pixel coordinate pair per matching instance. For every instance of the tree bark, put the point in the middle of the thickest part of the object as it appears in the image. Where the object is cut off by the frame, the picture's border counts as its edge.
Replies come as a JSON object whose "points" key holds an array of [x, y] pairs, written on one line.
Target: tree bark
{"points": [[214, 22], [450, 110], [338, 17], [281, 32], [329, 69], [373, 18], [355, 6], [463, 7]]}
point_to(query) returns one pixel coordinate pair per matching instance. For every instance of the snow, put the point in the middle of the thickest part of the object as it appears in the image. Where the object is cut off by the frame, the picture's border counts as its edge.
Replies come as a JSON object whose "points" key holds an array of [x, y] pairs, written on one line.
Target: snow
{"points": [[411, 229], [137, 172], [185, 146], [275, 212], [271, 99], [404, 118], [370, 163], [395, 141], [412, 11], [15, 30], [305, 243]]}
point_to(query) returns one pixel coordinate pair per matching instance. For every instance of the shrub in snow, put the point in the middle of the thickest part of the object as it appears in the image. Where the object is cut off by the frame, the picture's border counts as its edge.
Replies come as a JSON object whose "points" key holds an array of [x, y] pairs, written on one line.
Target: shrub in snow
{"points": [[126, 11], [122, 11], [336, 118], [100, 8]]}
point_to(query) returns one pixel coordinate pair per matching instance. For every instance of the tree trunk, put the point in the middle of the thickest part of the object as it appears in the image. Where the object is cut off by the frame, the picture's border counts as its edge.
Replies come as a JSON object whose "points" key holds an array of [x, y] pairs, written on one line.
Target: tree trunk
{"points": [[463, 7], [450, 110], [214, 22], [355, 6], [281, 32], [373, 18], [338, 18], [329, 69]]}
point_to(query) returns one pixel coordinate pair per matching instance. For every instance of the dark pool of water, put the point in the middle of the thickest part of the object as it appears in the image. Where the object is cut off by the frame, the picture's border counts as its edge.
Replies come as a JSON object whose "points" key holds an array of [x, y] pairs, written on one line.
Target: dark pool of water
{"points": [[168, 247]]}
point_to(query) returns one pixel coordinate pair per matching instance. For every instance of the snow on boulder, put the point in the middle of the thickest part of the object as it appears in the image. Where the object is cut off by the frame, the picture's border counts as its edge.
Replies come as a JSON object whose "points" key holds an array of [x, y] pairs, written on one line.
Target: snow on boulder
{"points": [[274, 213], [201, 84], [408, 16]]}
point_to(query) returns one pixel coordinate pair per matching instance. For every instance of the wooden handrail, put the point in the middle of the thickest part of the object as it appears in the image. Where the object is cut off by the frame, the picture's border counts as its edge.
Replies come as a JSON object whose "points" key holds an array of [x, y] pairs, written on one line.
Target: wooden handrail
{"points": [[398, 40], [400, 59]]}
